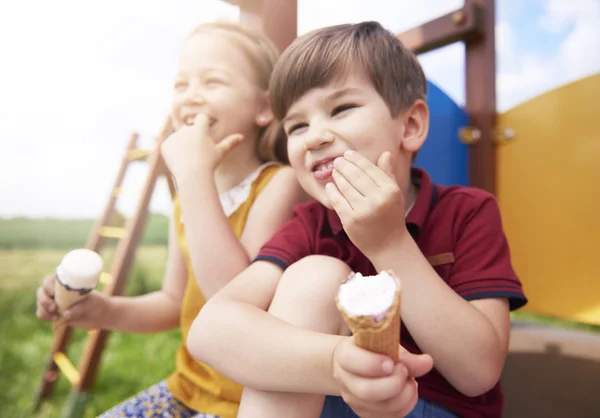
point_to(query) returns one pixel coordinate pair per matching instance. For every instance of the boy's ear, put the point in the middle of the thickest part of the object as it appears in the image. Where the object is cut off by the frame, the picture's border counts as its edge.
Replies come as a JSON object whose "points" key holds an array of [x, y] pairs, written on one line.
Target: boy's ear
{"points": [[416, 126], [265, 114]]}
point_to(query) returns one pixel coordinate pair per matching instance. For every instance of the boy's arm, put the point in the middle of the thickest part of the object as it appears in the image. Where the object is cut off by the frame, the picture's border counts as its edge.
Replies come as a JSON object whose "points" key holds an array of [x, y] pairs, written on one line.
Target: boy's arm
{"points": [[234, 334], [468, 341]]}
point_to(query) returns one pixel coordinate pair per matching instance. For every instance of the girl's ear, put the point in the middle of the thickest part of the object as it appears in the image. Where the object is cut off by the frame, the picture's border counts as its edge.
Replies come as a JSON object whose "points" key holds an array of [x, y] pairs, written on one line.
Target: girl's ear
{"points": [[265, 114], [416, 126]]}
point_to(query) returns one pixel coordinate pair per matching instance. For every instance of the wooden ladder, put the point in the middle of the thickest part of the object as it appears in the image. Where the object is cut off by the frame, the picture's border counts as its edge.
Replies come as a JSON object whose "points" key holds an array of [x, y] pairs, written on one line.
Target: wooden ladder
{"points": [[82, 377]]}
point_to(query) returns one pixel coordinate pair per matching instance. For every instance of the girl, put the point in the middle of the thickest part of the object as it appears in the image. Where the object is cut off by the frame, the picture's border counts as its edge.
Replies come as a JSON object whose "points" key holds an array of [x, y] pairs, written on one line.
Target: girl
{"points": [[231, 198]]}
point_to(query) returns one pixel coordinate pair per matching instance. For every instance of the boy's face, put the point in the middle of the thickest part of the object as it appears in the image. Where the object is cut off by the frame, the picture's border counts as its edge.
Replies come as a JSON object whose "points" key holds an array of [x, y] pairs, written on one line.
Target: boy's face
{"points": [[327, 121]]}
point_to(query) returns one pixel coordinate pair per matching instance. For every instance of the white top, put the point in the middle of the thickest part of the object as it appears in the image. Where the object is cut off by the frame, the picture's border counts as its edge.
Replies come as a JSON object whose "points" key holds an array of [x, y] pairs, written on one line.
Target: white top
{"points": [[233, 198]]}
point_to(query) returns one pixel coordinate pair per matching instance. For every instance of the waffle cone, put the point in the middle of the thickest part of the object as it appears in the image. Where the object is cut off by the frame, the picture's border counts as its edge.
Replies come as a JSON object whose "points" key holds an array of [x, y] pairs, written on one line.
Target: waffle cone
{"points": [[382, 337], [66, 298]]}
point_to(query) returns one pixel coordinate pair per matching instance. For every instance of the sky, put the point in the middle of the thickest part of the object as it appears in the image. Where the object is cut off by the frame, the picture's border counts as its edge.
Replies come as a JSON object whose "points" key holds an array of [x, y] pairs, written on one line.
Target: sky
{"points": [[78, 77]]}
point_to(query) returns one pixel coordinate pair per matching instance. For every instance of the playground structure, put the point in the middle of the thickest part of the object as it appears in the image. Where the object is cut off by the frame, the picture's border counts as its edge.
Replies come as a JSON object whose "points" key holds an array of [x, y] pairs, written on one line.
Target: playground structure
{"points": [[539, 158]]}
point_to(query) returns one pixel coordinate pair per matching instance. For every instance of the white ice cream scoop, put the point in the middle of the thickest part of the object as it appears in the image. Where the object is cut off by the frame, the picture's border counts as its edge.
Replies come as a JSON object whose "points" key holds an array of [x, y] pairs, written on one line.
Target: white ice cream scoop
{"points": [[368, 295], [80, 270], [371, 307]]}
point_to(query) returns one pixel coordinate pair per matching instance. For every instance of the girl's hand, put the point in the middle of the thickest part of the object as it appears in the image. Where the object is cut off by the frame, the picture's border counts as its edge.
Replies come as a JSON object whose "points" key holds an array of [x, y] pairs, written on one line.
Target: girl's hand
{"points": [[90, 313], [192, 147]]}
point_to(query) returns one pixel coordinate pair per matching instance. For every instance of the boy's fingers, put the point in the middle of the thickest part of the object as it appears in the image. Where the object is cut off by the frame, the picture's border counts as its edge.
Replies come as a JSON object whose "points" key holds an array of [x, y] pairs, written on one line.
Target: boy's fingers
{"points": [[385, 163], [349, 192], [355, 175], [398, 405], [416, 364], [375, 389], [403, 404], [361, 362], [337, 200], [374, 172]]}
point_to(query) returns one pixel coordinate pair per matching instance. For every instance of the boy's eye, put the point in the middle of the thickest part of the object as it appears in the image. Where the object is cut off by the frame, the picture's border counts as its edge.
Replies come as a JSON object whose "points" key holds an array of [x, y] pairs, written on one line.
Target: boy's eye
{"points": [[339, 109], [295, 127]]}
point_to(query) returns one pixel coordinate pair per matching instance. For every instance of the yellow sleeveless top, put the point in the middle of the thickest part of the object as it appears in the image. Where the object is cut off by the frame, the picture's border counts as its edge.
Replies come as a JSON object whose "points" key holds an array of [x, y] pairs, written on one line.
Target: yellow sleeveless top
{"points": [[195, 384]]}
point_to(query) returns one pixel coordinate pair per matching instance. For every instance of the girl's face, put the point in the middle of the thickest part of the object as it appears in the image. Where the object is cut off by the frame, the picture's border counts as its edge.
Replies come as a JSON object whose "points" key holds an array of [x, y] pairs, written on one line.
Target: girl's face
{"points": [[216, 77]]}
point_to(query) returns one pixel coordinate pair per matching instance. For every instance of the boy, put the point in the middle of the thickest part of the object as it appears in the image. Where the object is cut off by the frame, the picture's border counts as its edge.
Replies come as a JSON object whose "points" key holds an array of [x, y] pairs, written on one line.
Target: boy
{"points": [[352, 102]]}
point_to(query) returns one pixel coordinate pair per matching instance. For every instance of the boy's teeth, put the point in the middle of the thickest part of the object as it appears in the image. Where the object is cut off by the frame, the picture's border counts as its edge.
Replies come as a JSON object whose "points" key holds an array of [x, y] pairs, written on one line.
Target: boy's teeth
{"points": [[323, 167]]}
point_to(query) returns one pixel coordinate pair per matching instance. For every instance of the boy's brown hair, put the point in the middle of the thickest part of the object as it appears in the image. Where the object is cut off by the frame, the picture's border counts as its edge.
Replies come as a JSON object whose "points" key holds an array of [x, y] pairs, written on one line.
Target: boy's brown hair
{"points": [[324, 55]]}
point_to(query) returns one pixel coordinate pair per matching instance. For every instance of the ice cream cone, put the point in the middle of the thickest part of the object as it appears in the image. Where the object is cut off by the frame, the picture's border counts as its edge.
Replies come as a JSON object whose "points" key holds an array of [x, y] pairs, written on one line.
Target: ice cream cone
{"points": [[65, 298], [76, 276], [378, 333]]}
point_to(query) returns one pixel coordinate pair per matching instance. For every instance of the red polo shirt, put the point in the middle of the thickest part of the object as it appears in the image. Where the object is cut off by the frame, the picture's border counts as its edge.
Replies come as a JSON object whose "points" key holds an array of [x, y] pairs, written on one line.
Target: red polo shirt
{"points": [[457, 228]]}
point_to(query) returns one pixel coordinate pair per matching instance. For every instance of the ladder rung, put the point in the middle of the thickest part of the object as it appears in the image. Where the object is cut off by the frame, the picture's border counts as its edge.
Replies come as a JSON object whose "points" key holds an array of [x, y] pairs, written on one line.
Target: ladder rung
{"points": [[67, 368], [105, 278], [138, 154], [112, 232], [119, 191]]}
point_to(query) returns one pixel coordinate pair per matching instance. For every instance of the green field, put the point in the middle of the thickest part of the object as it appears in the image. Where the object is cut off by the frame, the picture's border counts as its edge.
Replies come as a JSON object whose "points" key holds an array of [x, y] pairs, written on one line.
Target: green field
{"points": [[30, 249], [61, 233]]}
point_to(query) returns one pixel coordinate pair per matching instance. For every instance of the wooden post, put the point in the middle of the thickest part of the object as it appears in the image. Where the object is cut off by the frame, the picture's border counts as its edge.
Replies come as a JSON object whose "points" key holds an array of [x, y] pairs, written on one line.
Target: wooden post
{"points": [[481, 98], [276, 18], [474, 25]]}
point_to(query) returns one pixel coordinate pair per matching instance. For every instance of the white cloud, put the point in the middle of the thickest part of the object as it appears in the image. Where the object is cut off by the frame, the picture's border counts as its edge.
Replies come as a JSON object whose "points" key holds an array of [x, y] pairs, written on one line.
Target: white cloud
{"points": [[78, 77], [559, 14], [530, 75]]}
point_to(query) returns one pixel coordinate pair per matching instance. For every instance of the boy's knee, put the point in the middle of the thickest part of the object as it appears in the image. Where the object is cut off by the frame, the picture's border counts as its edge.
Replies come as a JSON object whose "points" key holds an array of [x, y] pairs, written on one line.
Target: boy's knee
{"points": [[306, 293], [316, 274]]}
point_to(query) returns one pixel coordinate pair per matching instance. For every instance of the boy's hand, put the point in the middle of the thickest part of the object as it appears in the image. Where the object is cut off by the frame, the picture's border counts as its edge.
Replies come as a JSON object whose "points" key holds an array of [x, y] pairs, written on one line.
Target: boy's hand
{"points": [[88, 314], [368, 201], [192, 147], [373, 385]]}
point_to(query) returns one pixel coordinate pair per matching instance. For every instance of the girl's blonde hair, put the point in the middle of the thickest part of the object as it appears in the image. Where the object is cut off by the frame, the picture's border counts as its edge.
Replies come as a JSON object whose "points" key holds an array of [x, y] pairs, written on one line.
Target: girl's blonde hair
{"points": [[262, 55]]}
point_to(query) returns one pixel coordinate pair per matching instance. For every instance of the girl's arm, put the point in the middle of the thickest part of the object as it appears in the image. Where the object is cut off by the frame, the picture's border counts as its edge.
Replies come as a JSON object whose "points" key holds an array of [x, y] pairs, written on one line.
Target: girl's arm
{"points": [[154, 312], [217, 255]]}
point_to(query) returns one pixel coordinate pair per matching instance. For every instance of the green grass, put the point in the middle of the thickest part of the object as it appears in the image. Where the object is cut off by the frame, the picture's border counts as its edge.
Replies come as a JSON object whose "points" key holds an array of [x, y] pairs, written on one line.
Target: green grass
{"points": [[130, 362], [552, 321], [66, 233]]}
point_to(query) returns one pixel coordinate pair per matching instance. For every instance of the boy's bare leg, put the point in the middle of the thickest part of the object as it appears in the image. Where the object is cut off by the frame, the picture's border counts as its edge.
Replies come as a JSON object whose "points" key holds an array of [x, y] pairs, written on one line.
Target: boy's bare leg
{"points": [[305, 297]]}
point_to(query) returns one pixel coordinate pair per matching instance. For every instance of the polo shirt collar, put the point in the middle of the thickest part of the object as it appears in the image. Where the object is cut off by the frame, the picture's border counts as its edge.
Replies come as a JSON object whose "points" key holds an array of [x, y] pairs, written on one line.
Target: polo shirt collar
{"points": [[416, 217]]}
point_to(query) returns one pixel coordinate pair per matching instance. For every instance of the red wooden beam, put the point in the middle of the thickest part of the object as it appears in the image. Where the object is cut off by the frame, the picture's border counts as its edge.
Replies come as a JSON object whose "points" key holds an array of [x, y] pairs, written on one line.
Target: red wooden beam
{"points": [[277, 18], [464, 24]]}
